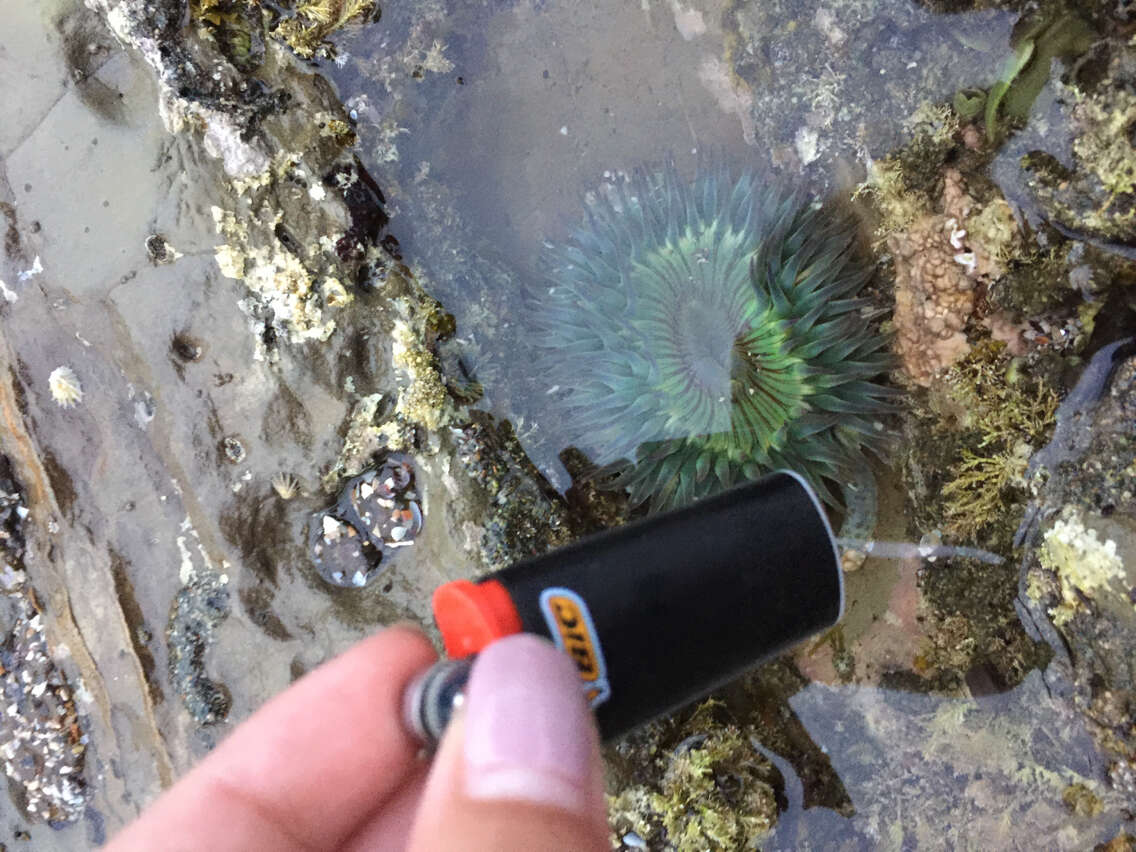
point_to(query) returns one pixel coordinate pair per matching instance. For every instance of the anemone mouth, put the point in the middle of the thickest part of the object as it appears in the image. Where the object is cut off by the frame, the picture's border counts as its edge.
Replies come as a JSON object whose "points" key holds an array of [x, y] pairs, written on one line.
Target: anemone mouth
{"points": [[702, 347], [692, 305], [769, 389], [711, 332]]}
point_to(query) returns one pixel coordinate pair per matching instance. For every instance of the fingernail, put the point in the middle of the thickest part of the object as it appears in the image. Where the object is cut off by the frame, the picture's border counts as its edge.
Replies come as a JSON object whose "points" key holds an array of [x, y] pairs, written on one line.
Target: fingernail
{"points": [[528, 730]]}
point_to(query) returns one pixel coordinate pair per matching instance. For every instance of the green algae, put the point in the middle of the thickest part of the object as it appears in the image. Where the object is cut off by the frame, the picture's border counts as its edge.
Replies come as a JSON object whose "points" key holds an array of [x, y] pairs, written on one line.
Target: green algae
{"points": [[240, 26], [1061, 34], [1013, 67], [311, 23], [969, 103], [1006, 422], [708, 788]]}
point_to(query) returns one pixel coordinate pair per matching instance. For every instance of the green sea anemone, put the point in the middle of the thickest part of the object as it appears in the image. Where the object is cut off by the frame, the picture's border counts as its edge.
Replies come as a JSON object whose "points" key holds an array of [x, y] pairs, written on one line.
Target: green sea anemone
{"points": [[708, 333]]}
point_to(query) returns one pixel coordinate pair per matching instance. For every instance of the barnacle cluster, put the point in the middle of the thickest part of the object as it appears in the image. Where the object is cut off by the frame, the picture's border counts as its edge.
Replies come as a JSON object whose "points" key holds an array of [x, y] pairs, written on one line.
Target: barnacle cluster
{"points": [[424, 398], [709, 332], [276, 275]]}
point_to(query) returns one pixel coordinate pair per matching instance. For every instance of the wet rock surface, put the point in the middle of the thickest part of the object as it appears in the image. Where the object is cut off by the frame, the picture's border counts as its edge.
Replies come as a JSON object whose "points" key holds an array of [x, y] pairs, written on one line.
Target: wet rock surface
{"points": [[246, 311], [232, 384], [1090, 191], [1077, 575]]}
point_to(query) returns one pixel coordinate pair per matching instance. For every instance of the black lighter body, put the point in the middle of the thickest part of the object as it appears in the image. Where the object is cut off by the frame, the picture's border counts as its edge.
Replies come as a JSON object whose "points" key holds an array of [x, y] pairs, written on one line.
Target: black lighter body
{"points": [[659, 612]]}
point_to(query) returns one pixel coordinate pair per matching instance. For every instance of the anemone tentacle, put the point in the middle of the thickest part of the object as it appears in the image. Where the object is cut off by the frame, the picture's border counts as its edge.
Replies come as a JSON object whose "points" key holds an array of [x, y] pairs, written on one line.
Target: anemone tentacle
{"points": [[709, 332]]}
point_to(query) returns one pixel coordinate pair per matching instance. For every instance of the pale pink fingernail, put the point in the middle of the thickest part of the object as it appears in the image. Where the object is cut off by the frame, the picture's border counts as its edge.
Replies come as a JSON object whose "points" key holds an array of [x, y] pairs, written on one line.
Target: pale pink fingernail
{"points": [[528, 730]]}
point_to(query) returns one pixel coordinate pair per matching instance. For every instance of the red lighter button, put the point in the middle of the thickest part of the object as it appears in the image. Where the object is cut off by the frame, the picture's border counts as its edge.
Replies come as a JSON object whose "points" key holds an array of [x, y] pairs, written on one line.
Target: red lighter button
{"points": [[471, 615]]}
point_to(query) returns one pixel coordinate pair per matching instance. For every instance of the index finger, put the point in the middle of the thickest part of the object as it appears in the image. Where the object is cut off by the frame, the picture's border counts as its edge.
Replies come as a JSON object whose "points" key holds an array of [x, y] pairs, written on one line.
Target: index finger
{"points": [[307, 768]]}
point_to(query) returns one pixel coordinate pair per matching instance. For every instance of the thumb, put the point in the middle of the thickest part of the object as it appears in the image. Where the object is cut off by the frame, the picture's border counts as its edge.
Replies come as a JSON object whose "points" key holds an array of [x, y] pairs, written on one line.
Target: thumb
{"points": [[519, 768]]}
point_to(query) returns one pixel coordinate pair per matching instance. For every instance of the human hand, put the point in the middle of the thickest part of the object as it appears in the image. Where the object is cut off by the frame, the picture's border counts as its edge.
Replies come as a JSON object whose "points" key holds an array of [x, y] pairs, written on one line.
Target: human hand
{"points": [[328, 765]]}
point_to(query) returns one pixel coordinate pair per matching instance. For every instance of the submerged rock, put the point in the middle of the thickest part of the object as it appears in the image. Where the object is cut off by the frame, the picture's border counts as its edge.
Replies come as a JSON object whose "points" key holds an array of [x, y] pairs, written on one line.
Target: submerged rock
{"points": [[1092, 195], [1078, 576]]}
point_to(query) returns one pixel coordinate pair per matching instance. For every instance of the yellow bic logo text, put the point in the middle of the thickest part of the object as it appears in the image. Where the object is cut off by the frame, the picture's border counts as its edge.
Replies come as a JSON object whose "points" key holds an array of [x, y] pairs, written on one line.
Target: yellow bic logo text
{"points": [[572, 629]]}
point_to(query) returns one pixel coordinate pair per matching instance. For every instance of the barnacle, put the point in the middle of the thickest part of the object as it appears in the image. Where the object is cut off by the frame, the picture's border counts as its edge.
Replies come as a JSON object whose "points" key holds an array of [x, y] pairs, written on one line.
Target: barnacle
{"points": [[65, 387], [286, 485], [335, 295], [710, 332]]}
